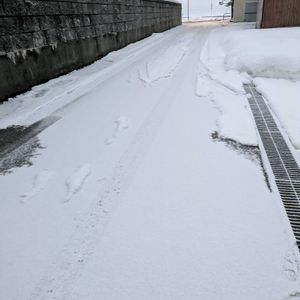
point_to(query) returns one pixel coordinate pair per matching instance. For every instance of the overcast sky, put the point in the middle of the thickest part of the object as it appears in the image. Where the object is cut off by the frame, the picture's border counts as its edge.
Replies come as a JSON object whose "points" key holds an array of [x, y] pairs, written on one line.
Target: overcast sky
{"points": [[199, 8]]}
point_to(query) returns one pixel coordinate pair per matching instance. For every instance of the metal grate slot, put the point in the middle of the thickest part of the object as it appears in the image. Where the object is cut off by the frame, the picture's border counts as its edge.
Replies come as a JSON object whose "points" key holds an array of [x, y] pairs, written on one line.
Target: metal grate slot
{"points": [[283, 164]]}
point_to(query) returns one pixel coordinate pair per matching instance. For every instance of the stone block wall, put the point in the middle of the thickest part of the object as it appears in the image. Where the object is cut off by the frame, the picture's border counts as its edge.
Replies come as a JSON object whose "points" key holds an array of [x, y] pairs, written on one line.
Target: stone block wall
{"points": [[42, 39]]}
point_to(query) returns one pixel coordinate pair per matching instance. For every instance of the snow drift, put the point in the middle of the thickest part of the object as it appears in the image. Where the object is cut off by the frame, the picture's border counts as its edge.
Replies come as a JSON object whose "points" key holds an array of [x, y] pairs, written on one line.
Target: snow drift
{"points": [[272, 53], [236, 54]]}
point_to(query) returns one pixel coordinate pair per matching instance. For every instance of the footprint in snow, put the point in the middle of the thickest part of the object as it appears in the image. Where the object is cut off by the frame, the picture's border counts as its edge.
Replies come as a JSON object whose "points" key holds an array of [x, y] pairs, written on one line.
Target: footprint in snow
{"points": [[204, 87], [291, 266], [293, 296], [121, 124], [109, 141], [40, 182], [77, 180]]}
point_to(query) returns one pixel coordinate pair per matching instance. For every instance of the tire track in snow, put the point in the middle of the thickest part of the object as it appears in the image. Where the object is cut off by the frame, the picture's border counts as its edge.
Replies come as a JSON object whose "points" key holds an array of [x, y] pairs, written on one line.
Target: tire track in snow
{"points": [[166, 63], [76, 181], [66, 267]]}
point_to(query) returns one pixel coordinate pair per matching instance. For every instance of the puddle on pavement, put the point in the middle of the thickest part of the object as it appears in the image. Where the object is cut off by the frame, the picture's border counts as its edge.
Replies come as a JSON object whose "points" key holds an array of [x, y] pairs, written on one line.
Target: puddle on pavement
{"points": [[250, 152], [19, 144]]}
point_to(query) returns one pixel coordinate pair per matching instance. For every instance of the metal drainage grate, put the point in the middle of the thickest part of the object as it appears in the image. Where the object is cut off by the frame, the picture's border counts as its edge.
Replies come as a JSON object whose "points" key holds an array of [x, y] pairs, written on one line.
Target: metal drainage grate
{"points": [[282, 161]]}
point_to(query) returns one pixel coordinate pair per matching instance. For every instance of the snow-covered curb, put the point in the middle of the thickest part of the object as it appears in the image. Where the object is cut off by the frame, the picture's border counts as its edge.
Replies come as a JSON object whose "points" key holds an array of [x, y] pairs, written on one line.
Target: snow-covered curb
{"points": [[234, 55], [225, 89], [234, 120]]}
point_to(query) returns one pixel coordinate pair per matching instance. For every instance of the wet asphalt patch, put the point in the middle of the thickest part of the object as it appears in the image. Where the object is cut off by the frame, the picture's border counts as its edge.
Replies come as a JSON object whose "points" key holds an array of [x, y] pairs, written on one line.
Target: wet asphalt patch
{"points": [[19, 144]]}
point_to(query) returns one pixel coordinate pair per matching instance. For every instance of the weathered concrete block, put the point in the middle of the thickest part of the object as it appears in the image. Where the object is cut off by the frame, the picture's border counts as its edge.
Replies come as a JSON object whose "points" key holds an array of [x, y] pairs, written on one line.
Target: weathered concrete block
{"points": [[41, 39]]}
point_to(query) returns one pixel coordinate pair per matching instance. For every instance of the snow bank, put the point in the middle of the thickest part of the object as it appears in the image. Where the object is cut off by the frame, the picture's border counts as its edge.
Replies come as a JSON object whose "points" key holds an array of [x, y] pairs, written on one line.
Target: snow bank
{"points": [[225, 89], [236, 54], [272, 53], [232, 80], [283, 97], [234, 120]]}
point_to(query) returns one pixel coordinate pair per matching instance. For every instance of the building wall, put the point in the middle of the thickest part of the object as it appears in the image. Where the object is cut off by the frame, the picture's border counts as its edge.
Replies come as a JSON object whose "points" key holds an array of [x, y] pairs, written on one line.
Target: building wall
{"points": [[259, 13], [280, 13], [245, 10], [239, 10], [42, 39]]}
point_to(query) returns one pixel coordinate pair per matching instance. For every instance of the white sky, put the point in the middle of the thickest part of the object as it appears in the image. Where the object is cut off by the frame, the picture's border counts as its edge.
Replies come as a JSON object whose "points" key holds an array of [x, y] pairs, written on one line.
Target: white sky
{"points": [[199, 8]]}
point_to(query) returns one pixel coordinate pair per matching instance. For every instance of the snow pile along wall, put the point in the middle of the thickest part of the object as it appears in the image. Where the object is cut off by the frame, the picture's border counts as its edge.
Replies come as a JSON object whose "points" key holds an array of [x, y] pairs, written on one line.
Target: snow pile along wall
{"points": [[40, 40]]}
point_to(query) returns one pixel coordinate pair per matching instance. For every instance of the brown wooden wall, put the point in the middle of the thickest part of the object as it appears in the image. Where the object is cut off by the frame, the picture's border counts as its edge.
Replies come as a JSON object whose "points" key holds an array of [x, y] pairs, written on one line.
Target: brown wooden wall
{"points": [[281, 13]]}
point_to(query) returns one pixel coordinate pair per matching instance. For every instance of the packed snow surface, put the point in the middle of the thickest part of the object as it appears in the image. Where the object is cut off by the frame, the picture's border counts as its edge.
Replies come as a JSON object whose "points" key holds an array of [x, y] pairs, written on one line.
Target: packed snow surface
{"points": [[131, 197]]}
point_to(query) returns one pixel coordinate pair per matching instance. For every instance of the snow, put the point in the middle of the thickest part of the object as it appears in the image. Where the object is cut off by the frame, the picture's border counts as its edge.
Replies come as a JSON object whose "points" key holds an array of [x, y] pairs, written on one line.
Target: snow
{"points": [[122, 123], [162, 212], [270, 58], [271, 53], [165, 64], [283, 97], [76, 181], [234, 120], [232, 80], [225, 89], [41, 180], [291, 265]]}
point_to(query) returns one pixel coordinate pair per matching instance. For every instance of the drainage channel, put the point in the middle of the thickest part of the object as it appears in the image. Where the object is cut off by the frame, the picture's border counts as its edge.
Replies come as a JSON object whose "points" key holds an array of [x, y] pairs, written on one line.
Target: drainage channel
{"points": [[284, 166]]}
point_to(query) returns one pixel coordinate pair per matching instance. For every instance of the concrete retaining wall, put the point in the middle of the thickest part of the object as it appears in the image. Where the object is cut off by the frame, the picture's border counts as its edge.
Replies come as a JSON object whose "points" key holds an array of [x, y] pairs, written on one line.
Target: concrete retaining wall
{"points": [[42, 39]]}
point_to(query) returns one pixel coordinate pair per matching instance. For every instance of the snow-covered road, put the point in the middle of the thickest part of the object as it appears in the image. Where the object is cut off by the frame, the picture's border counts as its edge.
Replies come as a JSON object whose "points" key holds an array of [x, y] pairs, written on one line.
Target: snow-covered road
{"points": [[129, 197]]}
